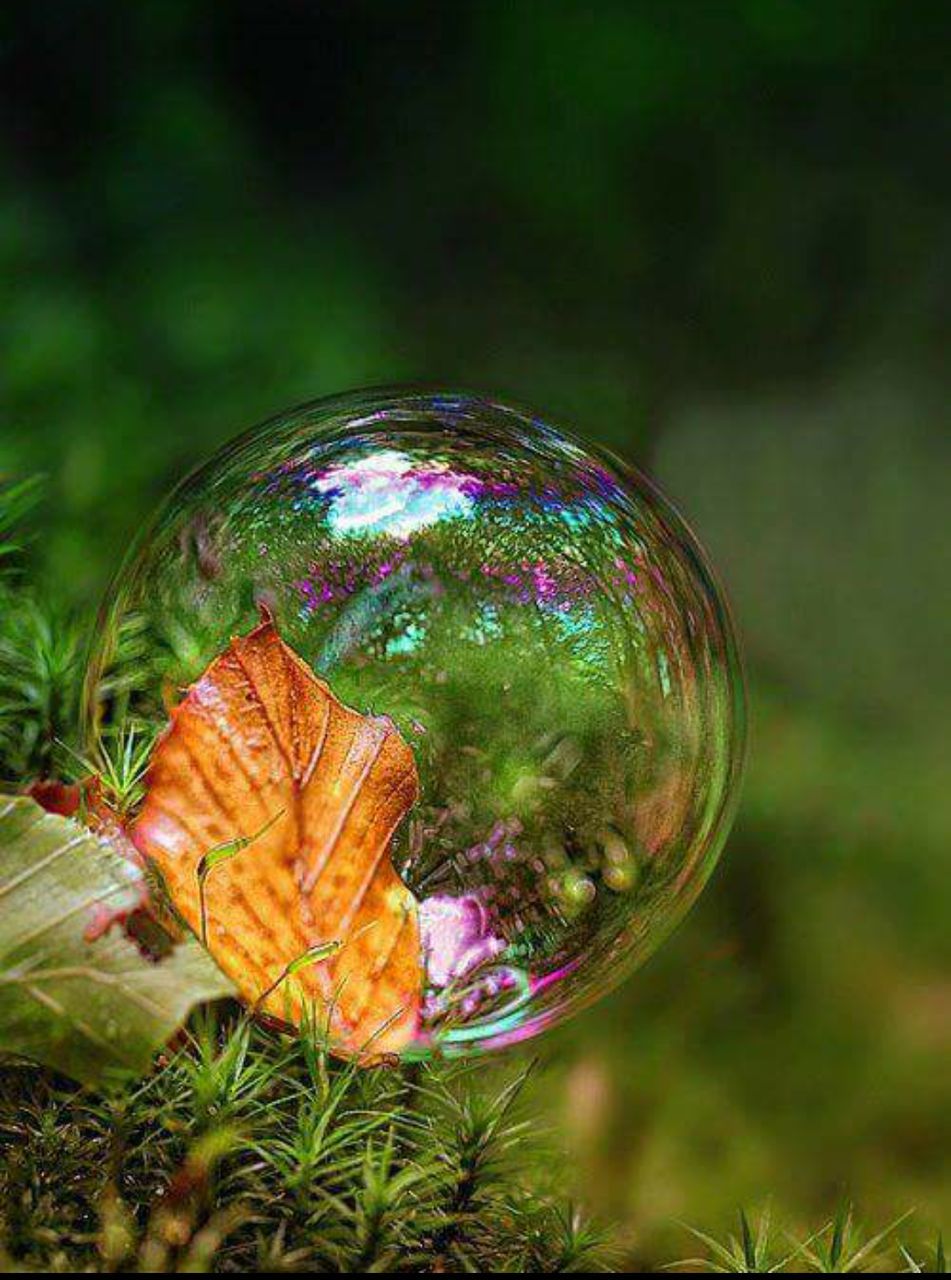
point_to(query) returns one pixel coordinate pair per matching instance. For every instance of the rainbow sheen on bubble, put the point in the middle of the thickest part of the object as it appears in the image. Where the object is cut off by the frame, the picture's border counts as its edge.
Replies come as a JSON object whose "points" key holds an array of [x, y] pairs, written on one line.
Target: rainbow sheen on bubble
{"points": [[543, 630]]}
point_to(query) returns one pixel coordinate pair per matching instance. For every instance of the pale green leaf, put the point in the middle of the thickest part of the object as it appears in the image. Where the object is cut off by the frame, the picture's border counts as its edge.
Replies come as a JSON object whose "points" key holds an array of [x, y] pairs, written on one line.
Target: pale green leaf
{"points": [[83, 1007]]}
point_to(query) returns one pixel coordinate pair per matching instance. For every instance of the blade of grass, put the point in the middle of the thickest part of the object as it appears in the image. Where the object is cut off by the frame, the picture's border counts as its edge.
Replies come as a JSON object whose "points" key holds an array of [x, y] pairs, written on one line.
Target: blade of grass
{"points": [[313, 955], [224, 853]]}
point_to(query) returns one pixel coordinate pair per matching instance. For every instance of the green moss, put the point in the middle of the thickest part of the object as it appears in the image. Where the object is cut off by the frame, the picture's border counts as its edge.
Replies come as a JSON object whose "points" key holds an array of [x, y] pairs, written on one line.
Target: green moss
{"points": [[246, 1151]]}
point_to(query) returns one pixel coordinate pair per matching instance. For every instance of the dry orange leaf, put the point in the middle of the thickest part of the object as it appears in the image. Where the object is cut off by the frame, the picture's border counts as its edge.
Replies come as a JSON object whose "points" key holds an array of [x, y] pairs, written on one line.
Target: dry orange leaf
{"points": [[261, 748]]}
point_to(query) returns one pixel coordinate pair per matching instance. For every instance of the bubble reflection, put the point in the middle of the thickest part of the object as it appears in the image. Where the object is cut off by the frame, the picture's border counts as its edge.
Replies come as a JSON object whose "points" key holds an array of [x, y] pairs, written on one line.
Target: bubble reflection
{"points": [[542, 629]]}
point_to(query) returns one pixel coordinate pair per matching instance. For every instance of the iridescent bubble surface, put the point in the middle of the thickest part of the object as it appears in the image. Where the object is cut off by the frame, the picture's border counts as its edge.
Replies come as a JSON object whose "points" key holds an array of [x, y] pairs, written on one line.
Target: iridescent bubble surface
{"points": [[541, 627]]}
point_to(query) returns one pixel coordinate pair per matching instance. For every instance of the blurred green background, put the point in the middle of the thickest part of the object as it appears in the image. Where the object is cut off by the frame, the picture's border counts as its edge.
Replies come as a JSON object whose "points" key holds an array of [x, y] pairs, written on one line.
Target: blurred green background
{"points": [[713, 237]]}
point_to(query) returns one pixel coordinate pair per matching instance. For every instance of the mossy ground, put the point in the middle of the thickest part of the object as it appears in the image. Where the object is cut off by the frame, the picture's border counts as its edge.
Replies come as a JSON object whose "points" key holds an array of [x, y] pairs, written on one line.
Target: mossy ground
{"points": [[246, 1151]]}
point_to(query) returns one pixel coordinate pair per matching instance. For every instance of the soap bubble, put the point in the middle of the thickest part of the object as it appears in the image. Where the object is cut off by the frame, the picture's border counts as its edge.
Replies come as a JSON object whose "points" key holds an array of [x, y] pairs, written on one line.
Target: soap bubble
{"points": [[538, 623]]}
